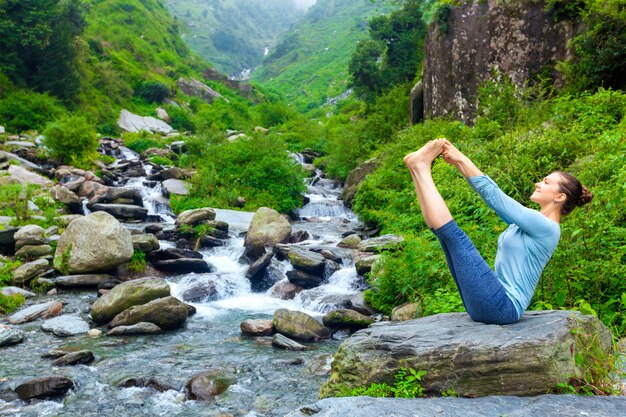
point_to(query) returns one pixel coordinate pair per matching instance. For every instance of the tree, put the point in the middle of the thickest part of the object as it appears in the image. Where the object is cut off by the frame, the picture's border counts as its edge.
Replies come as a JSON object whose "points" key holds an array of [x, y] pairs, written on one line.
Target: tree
{"points": [[365, 69]]}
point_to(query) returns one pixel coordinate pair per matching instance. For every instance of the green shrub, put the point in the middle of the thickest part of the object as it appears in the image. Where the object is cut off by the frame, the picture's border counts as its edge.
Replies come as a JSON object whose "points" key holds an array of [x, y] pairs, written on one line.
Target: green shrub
{"points": [[152, 91], [407, 385], [141, 141], [138, 262], [23, 110], [72, 140], [10, 303], [6, 271], [161, 160], [14, 200]]}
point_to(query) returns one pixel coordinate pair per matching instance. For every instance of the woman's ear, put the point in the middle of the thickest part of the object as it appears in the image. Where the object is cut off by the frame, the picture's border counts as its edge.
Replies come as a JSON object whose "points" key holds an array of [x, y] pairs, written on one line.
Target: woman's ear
{"points": [[560, 198]]}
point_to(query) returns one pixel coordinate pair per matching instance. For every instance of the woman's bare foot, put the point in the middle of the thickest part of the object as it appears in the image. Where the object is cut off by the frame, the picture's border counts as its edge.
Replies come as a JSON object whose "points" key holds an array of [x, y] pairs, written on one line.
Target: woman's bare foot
{"points": [[424, 157]]}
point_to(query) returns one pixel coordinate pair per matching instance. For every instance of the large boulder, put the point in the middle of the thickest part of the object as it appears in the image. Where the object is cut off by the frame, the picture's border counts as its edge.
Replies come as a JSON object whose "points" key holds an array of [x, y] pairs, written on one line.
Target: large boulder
{"points": [[195, 88], [268, 227], [167, 313], [97, 242], [127, 295], [130, 122], [527, 358], [299, 325], [356, 176]]}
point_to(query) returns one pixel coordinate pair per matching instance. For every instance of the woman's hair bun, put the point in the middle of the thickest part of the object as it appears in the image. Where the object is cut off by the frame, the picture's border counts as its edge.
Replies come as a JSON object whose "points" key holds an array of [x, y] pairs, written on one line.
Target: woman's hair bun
{"points": [[585, 197]]}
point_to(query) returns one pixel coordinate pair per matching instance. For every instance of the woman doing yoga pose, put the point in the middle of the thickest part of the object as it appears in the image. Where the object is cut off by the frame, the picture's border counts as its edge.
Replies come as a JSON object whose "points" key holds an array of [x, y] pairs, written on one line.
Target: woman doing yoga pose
{"points": [[524, 248]]}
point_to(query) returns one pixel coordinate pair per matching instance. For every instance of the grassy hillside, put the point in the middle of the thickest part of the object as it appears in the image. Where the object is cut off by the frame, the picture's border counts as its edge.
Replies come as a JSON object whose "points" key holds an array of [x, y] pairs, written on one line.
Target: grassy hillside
{"points": [[310, 62]]}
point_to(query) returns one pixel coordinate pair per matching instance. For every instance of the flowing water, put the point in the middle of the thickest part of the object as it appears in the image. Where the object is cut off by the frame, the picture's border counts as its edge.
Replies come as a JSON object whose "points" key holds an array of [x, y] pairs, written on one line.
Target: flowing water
{"points": [[270, 382]]}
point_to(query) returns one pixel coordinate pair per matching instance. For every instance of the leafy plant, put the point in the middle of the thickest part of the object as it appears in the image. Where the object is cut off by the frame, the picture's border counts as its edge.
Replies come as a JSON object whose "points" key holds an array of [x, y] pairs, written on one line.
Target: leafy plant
{"points": [[72, 140], [138, 262], [6, 271], [407, 385], [8, 303]]}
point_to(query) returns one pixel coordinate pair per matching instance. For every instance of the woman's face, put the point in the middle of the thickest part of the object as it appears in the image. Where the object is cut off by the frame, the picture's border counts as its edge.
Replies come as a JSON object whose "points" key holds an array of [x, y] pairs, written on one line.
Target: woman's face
{"points": [[548, 190]]}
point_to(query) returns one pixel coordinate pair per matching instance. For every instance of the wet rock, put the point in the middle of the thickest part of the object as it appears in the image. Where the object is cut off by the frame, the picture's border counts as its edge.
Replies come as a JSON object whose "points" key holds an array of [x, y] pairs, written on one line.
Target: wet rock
{"points": [[257, 327], [94, 333], [135, 329], [254, 251], [364, 265], [145, 242], [66, 325], [117, 195], [172, 253], [307, 261], [406, 311], [332, 255], [10, 336], [91, 188], [201, 291], [381, 243], [44, 310], [283, 342], [352, 241], [258, 266], [195, 216], [82, 357], [44, 387], [357, 302], [7, 291], [83, 281], [529, 357], [304, 279], [268, 227], [167, 313], [158, 383], [281, 251], [184, 266], [122, 211], [97, 242], [299, 236], [299, 326], [127, 295], [346, 319], [285, 290], [207, 385], [211, 242]]}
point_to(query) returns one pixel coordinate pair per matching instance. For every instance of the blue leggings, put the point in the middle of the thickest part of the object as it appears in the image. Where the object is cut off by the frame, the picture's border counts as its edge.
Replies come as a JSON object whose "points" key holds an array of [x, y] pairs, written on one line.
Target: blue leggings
{"points": [[482, 293]]}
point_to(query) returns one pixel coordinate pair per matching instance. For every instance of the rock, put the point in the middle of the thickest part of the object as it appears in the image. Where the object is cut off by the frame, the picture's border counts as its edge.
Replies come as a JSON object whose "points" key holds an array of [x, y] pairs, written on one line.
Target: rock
{"points": [[2, 131], [10, 337], [364, 265], [175, 187], [29, 235], [90, 189], [357, 302], [94, 333], [355, 178], [178, 147], [127, 295], [299, 236], [406, 311], [195, 88], [283, 342], [307, 261], [159, 383], [82, 281], [68, 218], [7, 239], [66, 325], [116, 195], [268, 227], [183, 266], [74, 358], [257, 327], [527, 358], [540, 406], [172, 173], [130, 122], [304, 279], [34, 251], [97, 242], [135, 329], [172, 253], [163, 153], [259, 266], [201, 291], [346, 319], [30, 270], [162, 114], [6, 291], [253, 252], [299, 325], [66, 196], [285, 290], [44, 387], [352, 241], [167, 313], [24, 176], [195, 216], [381, 243], [122, 211], [145, 242], [207, 385], [44, 310]]}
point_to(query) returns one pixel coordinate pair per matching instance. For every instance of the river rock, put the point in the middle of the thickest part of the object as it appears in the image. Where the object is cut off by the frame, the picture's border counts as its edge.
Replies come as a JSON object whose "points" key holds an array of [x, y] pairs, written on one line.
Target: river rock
{"points": [[68, 197], [31, 234], [135, 329], [66, 325], [7, 291], [24, 176], [381, 243], [299, 325], [355, 178], [97, 242], [257, 327], [540, 406], [527, 358], [351, 241], [66, 219], [201, 291], [175, 187], [172, 253], [346, 319], [268, 227], [89, 189], [167, 313], [308, 261], [74, 358], [195, 216], [259, 266], [30, 270], [304, 279], [34, 251], [364, 265], [10, 337], [117, 195], [285, 290], [145, 242], [207, 385], [357, 302], [286, 343], [83, 281], [159, 383], [44, 387], [123, 211], [44, 310], [127, 295], [406, 311], [184, 266], [164, 153], [130, 122]]}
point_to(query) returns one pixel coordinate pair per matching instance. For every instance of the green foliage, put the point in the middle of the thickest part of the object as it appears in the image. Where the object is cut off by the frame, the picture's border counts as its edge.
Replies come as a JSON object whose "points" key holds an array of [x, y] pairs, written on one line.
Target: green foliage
{"points": [[152, 91], [138, 262], [40, 286], [72, 140], [9, 303], [407, 385], [141, 141], [14, 200], [161, 160], [6, 271], [23, 110]]}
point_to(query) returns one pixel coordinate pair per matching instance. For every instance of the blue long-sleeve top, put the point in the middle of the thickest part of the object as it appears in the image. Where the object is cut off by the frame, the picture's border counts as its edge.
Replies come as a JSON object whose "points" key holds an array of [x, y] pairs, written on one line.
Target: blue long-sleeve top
{"points": [[524, 248]]}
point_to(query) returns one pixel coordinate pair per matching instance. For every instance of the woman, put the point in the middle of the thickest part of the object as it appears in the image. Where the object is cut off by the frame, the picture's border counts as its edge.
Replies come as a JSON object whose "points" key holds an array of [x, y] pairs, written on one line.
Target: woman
{"points": [[524, 248]]}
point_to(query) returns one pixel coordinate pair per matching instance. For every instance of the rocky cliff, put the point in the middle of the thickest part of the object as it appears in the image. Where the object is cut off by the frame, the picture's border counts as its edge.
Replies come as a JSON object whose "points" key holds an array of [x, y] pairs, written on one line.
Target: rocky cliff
{"points": [[467, 43]]}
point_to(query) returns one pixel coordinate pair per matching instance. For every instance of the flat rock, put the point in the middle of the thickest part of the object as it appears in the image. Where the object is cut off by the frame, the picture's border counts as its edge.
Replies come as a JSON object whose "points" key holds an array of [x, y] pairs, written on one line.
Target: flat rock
{"points": [[257, 327], [82, 281], [74, 358], [65, 325], [183, 266], [283, 342], [10, 337], [44, 387], [135, 329], [167, 313], [542, 406], [526, 358], [30, 270], [122, 211], [130, 122], [24, 176], [16, 290], [44, 310], [381, 243], [299, 325]]}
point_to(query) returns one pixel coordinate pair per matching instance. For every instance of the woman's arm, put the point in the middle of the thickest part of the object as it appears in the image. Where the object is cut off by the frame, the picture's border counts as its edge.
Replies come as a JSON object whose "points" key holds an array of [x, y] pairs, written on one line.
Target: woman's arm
{"points": [[456, 158]]}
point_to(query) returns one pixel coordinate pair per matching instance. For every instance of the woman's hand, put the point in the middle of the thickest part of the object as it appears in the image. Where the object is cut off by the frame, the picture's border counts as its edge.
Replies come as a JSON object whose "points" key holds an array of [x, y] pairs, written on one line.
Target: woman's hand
{"points": [[451, 154]]}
